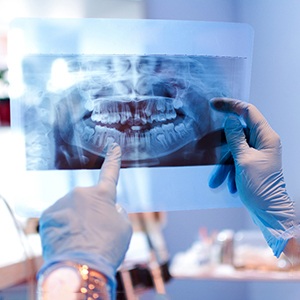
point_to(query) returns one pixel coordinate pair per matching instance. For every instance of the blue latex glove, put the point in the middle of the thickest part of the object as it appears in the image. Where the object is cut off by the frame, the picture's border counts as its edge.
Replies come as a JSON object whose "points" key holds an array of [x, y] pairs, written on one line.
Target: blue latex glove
{"points": [[258, 175], [86, 227]]}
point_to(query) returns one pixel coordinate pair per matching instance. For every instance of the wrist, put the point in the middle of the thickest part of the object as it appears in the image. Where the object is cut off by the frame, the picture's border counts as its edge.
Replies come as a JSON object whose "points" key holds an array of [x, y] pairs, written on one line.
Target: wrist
{"points": [[70, 281], [292, 251]]}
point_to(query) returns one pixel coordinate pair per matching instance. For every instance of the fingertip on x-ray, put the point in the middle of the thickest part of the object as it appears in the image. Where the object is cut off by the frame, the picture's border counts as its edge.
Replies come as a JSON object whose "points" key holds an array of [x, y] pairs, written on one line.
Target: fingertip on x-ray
{"points": [[144, 84]]}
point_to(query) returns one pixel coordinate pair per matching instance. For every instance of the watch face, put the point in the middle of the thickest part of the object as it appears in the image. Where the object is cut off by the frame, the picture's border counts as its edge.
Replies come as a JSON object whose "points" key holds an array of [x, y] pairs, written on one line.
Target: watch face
{"points": [[60, 284]]}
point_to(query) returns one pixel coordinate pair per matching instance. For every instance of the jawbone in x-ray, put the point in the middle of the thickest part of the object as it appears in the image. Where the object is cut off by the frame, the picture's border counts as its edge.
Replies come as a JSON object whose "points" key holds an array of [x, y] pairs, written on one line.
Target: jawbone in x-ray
{"points": [[155, 107], [79, 84]]}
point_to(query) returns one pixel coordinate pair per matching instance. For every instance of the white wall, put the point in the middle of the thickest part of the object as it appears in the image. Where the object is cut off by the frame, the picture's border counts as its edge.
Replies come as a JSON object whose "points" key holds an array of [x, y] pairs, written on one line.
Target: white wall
{"points": [[204, 10], [275, 74]]}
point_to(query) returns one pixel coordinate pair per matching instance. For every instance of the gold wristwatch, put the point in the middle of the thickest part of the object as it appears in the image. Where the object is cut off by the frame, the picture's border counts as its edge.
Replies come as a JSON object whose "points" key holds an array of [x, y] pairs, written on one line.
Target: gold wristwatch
{"points": [[72, 281]]}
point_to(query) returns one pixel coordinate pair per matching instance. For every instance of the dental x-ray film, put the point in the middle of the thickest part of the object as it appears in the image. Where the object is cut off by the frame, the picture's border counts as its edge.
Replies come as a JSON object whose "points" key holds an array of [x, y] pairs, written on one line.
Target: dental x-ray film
{"points": [[79, 84]]}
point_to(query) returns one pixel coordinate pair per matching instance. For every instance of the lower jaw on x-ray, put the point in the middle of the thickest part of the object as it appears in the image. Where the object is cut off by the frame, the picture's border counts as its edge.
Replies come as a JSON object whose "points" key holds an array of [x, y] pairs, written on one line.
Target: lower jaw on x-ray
{"points": [[156, 107]]}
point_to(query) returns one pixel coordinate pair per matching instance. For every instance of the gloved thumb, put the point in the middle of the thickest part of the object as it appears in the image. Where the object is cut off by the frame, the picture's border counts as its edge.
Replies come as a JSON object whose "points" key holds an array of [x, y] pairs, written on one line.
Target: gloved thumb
{"points": [[235, 136]]}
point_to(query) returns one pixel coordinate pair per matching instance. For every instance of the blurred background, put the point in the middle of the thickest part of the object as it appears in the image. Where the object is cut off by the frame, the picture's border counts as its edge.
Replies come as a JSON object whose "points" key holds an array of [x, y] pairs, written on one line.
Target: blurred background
{"points": [[274, 90]]}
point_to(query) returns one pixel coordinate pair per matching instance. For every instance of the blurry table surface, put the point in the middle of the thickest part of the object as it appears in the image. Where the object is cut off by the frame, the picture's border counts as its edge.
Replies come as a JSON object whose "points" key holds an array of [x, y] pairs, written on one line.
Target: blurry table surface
{"points": [[227, 272]]}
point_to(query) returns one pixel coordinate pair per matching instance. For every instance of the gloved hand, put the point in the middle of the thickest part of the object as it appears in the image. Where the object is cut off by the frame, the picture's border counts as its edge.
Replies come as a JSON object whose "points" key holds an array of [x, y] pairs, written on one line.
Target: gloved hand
{"points": [[86, 227], [258, 172]]}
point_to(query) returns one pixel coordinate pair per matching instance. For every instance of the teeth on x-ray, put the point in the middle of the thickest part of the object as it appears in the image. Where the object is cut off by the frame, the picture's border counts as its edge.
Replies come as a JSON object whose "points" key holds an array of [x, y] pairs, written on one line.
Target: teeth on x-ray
{"points": [[152, 106], [134, 112]]}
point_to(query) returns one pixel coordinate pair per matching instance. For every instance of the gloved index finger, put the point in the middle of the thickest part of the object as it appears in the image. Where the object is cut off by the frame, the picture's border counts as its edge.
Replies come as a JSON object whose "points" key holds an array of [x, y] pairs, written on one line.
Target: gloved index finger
{"points": [[110, 169]]}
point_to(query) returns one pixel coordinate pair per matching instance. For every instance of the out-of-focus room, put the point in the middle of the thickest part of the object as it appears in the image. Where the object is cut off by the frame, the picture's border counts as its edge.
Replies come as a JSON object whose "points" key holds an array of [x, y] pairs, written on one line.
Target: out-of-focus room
{"points": [[212, 252]]}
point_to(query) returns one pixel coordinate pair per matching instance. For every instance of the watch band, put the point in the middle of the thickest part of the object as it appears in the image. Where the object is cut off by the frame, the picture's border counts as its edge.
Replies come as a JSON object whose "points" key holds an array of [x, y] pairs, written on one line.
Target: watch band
{"points": [[93, 284]]}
